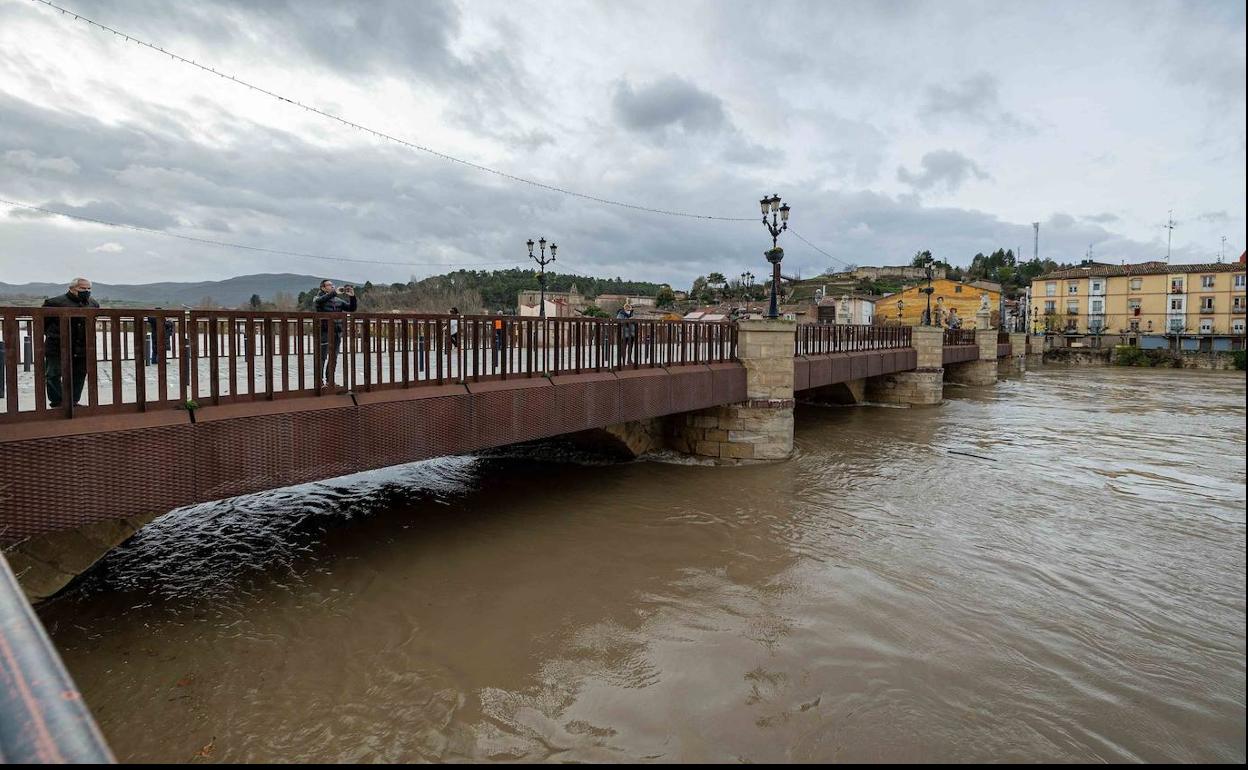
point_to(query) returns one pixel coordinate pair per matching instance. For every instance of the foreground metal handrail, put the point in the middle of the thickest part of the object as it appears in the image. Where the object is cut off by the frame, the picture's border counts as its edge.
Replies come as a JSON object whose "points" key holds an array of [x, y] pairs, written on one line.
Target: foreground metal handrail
{"points": [[137, 360], [43, 718]]}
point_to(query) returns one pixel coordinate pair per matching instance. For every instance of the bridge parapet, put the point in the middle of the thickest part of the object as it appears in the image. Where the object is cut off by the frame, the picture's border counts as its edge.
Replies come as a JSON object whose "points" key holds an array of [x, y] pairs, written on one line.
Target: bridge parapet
{"points": [[141, 360]]}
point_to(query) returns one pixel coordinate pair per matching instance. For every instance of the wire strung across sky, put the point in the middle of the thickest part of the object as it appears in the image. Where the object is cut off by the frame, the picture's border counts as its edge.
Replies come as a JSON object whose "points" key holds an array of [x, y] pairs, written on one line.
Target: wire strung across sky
{"points": [[381, 134], [816, 248], [261, 249]]}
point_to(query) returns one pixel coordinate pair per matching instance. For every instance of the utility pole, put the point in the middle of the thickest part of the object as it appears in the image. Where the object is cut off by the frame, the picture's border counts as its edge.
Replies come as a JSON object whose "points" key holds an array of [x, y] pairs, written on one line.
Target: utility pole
{"points": [[1169, 225], [1222, 253], [1035, 243]]}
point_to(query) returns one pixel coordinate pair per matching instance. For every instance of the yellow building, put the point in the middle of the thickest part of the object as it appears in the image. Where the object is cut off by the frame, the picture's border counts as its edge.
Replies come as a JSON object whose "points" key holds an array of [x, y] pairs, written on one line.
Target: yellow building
{"points": [[1144, 303], [907, 306]]}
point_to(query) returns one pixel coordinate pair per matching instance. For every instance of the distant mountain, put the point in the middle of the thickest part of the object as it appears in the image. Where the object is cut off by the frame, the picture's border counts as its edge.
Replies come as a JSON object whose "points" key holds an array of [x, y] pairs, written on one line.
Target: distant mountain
{"points": [[232, 292]]}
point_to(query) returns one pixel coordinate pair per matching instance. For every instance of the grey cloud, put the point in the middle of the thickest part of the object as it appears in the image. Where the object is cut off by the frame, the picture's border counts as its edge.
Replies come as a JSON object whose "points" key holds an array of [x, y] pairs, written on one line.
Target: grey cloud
{"points": [[29, 161], [668, 103], [976, 99], [1103, 218], [941, 168], [1214, 217]]}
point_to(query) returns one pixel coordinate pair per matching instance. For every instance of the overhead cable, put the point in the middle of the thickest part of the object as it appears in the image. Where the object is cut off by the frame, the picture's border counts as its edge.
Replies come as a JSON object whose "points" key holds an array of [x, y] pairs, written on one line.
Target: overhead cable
{"points": [[381, 134]]}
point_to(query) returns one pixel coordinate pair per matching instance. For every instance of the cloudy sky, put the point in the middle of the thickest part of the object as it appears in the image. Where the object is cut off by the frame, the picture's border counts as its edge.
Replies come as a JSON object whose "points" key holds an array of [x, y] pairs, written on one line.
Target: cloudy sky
{"points": [[890, 127]]}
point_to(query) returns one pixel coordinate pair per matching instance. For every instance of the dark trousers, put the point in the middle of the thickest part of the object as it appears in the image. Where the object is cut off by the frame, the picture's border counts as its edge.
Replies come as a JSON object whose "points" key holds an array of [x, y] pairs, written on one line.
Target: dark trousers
{"points": [[52, 377], [327, 354]]}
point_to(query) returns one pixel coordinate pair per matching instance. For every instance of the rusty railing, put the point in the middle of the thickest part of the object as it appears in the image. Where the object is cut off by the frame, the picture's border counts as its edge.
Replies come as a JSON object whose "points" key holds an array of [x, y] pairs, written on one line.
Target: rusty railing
{"points": [[139, 360], [959, 336], [818, 339]]}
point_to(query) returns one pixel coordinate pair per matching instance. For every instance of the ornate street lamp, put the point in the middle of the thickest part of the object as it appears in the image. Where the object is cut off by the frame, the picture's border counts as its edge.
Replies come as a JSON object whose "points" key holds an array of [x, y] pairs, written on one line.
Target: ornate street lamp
{"points": [[778, 224], [901, 306], [542, 262], [927, 269]]}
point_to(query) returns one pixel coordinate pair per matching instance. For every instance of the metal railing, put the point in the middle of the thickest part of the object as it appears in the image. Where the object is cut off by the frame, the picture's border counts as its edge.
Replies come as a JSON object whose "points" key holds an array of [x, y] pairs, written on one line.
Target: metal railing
{"points": [[959, 336], [818, 339], [140, 360], [43, 718]]}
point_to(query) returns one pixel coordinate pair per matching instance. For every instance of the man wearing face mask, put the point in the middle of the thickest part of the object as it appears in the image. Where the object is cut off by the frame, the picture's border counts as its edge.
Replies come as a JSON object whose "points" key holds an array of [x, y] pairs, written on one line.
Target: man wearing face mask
{"points": [[78, 296]]}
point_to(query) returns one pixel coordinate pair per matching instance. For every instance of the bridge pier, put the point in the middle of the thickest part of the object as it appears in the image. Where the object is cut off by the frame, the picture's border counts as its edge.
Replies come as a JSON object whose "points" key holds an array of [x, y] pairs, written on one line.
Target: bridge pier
{"points": [[922, 387], [761, 427], [44, 564], [1016, 361], [982, 371]]}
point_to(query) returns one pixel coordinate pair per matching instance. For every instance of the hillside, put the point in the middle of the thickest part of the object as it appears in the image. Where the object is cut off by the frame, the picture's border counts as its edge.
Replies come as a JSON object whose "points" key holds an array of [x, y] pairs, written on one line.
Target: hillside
{"points": [[231, 292]]}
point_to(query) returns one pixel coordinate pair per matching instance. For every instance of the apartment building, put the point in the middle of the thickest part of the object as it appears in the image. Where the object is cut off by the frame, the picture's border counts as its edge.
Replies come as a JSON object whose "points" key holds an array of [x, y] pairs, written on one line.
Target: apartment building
{"points": [[1152, 304]]}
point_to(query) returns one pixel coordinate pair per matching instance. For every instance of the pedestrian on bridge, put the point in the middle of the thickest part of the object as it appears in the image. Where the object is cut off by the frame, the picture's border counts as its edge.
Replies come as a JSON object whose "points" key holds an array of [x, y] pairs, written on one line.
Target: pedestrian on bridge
{"points": [[78, 296], [628, 333], [331, 300]]}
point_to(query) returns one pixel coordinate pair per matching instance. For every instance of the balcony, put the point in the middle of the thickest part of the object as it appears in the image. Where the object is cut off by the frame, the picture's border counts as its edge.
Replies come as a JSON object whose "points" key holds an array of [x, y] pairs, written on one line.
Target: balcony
{"points": [[1176, 289]]}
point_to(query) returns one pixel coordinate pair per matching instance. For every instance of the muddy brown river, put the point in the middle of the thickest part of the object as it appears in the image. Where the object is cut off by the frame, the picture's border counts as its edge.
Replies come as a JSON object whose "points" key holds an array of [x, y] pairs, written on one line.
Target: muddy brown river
{"points": [[1051, 570]]}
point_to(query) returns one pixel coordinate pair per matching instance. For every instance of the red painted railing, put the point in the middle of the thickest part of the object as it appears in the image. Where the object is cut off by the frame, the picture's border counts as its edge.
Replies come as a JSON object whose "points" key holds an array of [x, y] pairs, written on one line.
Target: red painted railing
{"points": [[819, 339], [210, 357]]}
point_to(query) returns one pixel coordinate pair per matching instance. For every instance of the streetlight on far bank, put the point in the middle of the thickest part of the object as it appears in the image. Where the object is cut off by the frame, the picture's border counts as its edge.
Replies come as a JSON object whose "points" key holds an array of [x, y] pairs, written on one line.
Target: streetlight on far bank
{"points": [[778, 224], [542, 263]]}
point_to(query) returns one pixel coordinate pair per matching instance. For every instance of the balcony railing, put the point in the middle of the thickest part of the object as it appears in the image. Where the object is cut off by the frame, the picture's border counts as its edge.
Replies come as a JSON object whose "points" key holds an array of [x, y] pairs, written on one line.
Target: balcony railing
{"points": [[211, 357], [821, 339]]}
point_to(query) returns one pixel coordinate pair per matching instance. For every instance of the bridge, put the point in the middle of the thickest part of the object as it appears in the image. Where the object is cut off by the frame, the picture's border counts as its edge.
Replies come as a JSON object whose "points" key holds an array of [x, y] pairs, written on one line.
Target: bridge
{"points": [[186, 407]]}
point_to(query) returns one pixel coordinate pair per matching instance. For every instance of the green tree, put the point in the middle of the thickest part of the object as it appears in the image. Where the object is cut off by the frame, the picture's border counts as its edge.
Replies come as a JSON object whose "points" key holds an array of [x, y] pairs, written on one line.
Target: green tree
{"points": [[665, 297], [255, 303]]}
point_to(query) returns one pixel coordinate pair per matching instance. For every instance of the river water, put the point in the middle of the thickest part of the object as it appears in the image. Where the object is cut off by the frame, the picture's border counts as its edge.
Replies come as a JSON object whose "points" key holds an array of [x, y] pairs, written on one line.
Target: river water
{"points": [[1074, 591]]}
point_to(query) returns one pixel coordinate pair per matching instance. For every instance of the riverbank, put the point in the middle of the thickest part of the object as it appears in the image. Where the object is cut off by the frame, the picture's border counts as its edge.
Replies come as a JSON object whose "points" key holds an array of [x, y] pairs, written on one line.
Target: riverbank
{"points": [[1122, 355]]}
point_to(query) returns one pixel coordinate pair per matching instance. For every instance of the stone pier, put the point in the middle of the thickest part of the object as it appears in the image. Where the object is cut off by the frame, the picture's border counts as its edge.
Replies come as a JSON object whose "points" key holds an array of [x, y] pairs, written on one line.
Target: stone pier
{"points": [[760, 428], [983, 370], [922, 387], [1016, 361]]}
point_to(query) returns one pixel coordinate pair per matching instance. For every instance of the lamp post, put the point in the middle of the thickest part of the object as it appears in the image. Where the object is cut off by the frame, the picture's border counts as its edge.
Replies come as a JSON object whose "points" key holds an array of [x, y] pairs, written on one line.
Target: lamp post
{"points": [[927, 269], [542, 262], [776, 226], [901, 306]]}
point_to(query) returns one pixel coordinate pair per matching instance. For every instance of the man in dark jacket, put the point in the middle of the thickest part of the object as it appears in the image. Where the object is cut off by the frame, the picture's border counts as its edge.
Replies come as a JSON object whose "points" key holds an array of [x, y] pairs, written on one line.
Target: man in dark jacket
{"points": [[330, 300], [78, 296]]}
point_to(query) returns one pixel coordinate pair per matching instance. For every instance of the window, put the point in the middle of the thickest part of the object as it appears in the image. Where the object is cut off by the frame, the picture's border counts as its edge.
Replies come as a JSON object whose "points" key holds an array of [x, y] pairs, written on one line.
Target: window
{"points": [[1050, 306], [1237, 326], [1206, 304], [1050, 288], [1239, 280], [1133, 306], [1098, 306], [1176, 286], [1096, 287], [1176, 304], [1137, 284], [1134, 324], [1072, 307], [1238, 305], [1206, 281], [1206, 326], [957, 289], [1072, 288]]}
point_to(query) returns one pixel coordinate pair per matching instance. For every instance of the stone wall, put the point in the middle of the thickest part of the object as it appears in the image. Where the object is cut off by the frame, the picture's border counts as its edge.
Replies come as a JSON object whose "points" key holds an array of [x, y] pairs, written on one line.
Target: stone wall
{"points": [[918, 388]]}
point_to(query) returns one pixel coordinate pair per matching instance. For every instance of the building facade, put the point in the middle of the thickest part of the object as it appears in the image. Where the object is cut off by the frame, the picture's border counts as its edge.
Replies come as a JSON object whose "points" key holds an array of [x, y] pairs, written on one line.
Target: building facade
{"points": [[907, 307], [1152, 305]]}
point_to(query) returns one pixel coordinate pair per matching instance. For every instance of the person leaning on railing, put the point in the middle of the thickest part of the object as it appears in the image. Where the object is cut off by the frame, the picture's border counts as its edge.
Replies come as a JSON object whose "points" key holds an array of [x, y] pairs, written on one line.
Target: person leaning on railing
{"points": [[330, 300], [628, 333], [78, 296]]}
